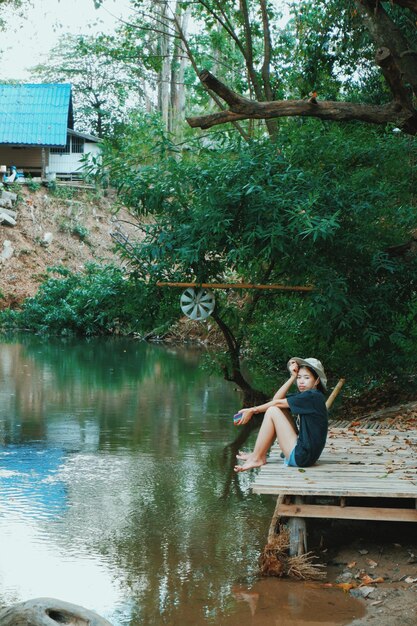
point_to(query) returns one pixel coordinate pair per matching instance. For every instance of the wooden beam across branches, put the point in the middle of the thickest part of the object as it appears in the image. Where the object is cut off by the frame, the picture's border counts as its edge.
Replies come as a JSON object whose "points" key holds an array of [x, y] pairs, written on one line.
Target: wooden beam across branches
{"points": [[236, 286]]}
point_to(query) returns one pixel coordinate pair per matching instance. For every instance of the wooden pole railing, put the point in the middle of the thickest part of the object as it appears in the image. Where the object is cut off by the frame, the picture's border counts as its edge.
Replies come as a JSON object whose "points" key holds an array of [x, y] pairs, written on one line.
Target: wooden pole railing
{"points": [[236, 286]]}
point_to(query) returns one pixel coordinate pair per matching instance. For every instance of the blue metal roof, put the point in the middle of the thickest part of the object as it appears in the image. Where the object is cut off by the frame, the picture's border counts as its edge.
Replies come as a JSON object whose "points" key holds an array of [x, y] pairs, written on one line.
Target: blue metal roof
{"points": [[35, 114]]}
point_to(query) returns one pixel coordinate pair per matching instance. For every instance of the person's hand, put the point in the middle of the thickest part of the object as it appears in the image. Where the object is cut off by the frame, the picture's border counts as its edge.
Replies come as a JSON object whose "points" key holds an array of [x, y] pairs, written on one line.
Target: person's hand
{"points": [[246, 415], [293, 367]]}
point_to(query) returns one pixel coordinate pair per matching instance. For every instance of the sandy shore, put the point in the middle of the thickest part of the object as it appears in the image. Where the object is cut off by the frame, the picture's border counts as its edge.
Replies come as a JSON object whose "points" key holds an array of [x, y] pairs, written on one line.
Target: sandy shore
{"points": [[378, 566]]}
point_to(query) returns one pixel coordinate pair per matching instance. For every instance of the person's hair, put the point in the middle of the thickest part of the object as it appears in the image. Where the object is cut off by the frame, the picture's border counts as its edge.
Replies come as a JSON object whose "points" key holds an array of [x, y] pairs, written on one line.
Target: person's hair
{"points": [[316, 376]]}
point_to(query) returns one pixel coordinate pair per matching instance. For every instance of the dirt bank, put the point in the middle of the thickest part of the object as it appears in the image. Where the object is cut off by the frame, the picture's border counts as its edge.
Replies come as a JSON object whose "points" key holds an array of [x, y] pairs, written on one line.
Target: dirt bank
{"points": [[70, 227]]}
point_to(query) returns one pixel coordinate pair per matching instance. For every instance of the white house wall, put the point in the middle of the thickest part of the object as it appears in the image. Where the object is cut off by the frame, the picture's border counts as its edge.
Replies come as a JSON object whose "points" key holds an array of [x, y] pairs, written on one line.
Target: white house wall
{"points": [[70, 163]]}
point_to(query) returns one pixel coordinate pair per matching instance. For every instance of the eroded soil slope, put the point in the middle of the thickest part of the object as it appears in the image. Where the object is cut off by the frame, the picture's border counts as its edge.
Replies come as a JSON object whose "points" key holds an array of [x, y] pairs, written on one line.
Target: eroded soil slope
{"points": [[71, 228]]}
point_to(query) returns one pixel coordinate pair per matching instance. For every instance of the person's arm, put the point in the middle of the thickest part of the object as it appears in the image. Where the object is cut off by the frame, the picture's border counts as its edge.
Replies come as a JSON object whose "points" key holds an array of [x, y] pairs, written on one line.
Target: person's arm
{"points": [[283, 390], [278, 400]]}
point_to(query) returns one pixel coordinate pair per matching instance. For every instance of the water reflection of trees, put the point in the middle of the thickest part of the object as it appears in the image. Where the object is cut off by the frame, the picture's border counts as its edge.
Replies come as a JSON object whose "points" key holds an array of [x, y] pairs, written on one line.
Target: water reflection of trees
{"points": [[119, 384], [151, 491], [175, 545]]}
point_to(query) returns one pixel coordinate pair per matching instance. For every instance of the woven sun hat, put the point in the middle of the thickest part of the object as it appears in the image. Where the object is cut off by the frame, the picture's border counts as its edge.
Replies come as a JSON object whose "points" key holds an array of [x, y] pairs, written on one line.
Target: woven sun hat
{"points": [[315, 365]]}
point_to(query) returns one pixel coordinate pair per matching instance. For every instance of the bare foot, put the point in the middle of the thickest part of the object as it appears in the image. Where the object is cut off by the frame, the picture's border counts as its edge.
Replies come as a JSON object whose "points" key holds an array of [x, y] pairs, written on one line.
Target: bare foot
{"points": [[243, 456], [250, 464]]}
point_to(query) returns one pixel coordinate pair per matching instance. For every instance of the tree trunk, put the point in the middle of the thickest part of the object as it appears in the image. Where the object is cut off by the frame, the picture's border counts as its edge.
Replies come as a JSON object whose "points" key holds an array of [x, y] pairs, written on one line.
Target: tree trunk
{"points": [[164, 75], [178, 65], [233, 373]]}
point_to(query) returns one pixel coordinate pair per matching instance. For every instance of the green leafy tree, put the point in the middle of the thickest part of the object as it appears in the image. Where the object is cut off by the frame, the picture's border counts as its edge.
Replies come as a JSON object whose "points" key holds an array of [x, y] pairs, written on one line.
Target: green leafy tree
{"points": [[325, 209], [236, 39], [332, 60], [104, 87]]}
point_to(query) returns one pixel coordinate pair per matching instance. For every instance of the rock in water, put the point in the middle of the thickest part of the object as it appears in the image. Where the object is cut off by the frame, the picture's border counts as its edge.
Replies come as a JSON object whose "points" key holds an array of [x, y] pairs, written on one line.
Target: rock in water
{"points": [[49, 612]]}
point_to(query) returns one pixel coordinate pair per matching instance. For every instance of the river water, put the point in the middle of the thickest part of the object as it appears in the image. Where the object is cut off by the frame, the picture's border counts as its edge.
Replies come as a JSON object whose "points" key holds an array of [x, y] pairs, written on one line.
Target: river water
{"points": [[117, 491]]}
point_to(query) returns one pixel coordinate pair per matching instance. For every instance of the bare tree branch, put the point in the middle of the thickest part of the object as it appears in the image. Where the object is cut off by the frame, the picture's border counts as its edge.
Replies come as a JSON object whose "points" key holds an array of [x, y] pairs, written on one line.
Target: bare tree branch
{"points": [[241, 108], [395, 56]]}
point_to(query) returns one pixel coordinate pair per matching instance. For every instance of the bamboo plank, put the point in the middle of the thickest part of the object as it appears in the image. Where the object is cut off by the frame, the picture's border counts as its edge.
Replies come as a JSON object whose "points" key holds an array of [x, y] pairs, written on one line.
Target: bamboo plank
{"points": [[273, 490], [355, 464], [347, 512]]}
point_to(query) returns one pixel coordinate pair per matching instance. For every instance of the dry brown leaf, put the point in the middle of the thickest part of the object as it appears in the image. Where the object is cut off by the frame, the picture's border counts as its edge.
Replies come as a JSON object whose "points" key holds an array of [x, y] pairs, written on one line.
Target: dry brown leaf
{"points": [[368, 580], [345, 586]]}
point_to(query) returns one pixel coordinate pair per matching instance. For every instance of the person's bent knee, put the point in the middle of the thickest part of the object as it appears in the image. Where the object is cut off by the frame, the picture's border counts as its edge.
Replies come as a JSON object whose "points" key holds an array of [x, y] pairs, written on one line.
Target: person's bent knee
{"points": [[274, 411]]}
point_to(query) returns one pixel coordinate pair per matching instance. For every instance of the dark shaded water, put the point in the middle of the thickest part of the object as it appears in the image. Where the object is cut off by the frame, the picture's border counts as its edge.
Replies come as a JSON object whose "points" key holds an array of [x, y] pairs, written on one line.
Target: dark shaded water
{"points": [[117, 494]]}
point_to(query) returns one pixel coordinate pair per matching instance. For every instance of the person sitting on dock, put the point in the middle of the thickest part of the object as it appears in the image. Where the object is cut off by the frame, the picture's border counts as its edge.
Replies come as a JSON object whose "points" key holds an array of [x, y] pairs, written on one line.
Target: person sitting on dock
{"points": [[301, 443]]}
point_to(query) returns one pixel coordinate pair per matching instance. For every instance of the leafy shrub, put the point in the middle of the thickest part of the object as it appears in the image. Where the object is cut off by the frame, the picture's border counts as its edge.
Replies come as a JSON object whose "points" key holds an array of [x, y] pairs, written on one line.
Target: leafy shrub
{"points": [[63, 192], [80, 231], [32, 185], [100, 300]]}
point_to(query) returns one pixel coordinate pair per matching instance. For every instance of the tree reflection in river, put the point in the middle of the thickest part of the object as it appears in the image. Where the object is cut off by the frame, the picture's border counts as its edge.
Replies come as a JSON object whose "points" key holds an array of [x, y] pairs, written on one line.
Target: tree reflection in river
{"points": [[127, 439]]}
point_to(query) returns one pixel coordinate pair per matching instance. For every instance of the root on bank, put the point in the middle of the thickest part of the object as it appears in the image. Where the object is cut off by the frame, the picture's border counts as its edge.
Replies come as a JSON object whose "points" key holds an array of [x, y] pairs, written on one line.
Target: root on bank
{"points": [[275, 560]]}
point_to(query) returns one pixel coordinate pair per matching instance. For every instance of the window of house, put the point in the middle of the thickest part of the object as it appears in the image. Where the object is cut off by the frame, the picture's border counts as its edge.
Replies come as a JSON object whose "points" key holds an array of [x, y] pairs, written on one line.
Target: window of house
{"points": [[66, 150], [77, 145]]}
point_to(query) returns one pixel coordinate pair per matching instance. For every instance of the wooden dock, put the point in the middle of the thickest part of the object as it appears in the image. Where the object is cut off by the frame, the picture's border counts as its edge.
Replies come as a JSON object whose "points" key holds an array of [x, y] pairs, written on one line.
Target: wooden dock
{"points": [[363, 473]]}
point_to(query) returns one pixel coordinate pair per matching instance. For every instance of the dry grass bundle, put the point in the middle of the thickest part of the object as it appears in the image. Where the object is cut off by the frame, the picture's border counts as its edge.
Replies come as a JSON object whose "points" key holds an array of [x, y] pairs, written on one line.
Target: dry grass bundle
{"points": [[275, 561]]}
